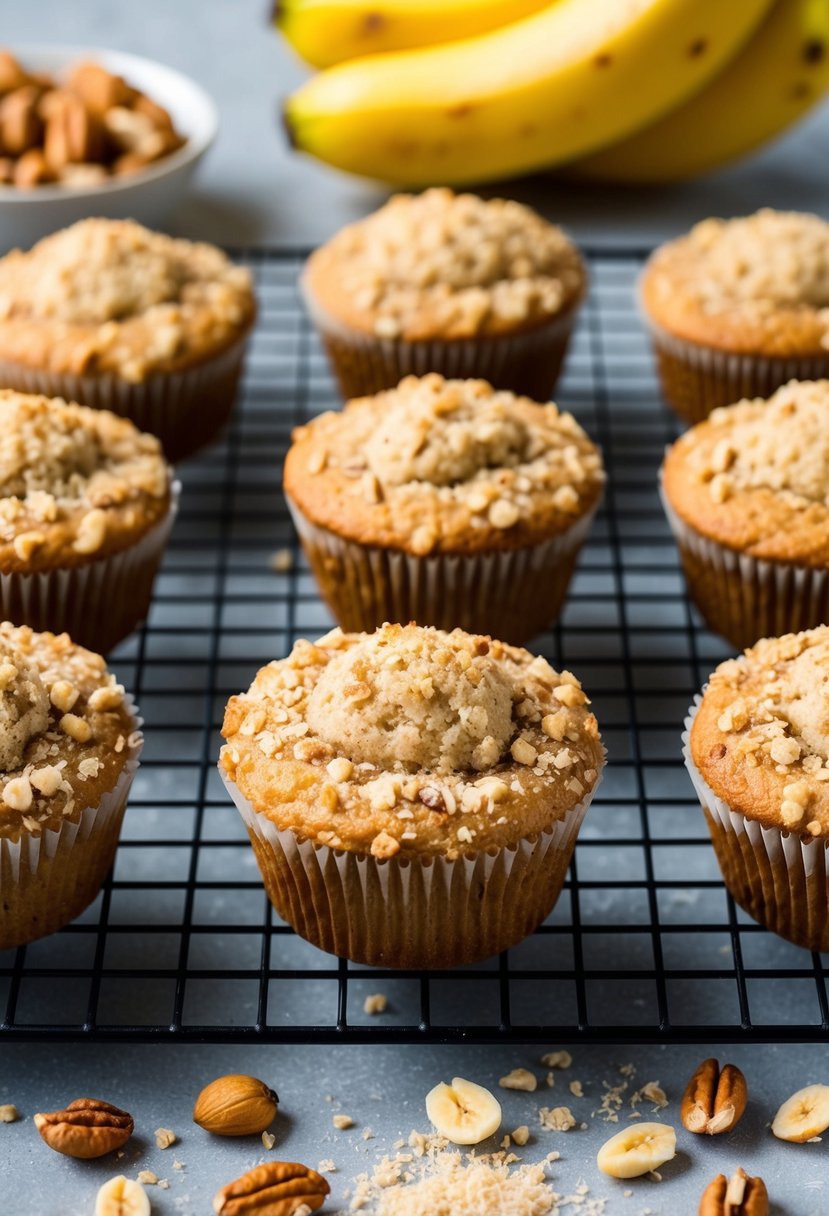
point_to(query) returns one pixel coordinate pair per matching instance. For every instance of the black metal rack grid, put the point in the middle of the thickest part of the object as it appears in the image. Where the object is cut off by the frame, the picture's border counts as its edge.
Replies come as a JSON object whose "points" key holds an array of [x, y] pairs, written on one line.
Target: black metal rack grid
{"points": [[644, 944]]}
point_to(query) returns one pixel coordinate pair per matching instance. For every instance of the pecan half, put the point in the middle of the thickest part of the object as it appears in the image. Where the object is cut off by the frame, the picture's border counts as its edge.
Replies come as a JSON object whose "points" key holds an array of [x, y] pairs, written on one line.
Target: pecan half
{"points": [[715, 1099], [278, 1188], [87, 1128], [738, 1195]]}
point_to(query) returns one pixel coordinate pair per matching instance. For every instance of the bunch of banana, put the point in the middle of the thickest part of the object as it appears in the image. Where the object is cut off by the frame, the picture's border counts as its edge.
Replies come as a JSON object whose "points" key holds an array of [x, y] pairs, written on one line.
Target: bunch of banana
{"points": [[476, 90]]}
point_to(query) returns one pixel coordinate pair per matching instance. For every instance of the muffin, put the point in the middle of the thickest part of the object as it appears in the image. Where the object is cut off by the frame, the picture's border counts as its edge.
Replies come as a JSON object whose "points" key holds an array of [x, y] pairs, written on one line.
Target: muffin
{"points": [[757, 750], [747, 496], [117, 317], [445, 502], [736, 308], [69, 747], [86, 506], [412, 796], [439, 282]]}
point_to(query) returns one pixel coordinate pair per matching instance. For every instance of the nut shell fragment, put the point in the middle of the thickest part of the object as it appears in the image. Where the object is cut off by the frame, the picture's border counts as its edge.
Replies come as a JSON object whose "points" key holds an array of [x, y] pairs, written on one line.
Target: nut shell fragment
{"points": [[87, 1128], [278, 1188]]}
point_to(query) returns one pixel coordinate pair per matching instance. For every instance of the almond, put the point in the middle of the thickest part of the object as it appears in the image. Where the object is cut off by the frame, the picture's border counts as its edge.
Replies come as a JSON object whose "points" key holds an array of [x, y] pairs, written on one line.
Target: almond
{"points": [[236, 1105], [279, 1188], [86, 1128]]}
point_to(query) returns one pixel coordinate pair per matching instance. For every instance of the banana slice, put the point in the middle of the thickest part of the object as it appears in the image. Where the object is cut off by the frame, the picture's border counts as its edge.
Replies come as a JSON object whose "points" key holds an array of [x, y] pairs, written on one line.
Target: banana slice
{"points": [[122, 1197], [637, 1150], [463, 1112], [804, 1115]]}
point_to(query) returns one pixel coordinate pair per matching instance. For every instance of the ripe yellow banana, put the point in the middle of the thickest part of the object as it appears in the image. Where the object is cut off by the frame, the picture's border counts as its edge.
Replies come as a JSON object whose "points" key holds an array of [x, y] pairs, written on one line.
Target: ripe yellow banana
{"points": [[325, 32], [780, 73], [577, 76]]}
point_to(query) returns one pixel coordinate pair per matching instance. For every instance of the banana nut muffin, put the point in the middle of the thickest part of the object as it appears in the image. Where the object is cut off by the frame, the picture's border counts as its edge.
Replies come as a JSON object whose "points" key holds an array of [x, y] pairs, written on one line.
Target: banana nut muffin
{"points": [[445, 502], [69, 744], [116, 316], [747, 494], [85, 509], [738, 307], [450, 283], [412, 796], [758, 753]]}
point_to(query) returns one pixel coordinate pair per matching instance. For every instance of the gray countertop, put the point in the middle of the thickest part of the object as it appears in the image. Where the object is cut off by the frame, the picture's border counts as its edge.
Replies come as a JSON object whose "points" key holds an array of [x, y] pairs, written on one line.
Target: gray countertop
{"points": [[252, 190]]}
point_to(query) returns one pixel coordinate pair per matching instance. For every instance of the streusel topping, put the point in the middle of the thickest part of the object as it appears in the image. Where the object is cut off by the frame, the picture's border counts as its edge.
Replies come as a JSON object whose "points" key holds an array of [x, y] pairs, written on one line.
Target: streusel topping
{"points": [[110, 295], [781, 444], [775, 708], [449, 455], [65, 729], [454, 264], [64, 465], [411, 738]]}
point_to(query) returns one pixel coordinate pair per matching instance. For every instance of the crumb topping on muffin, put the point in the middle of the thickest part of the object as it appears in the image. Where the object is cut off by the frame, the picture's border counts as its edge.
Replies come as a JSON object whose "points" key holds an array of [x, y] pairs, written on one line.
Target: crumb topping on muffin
{"points": [[412, 738], [758, 284], [73, 479], [769, 710], [112, 296], [452, 264], [436, 460], [65, 730]]}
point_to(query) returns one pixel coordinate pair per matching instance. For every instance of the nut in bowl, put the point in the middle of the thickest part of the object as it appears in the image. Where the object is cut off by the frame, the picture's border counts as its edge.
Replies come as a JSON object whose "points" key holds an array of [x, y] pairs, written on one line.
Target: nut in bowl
{"points": [[150, 180]]}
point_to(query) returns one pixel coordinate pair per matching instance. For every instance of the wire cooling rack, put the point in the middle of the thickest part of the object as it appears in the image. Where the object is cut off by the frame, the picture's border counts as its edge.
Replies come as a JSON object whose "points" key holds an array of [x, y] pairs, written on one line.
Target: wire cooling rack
{"points": [[644, 944]]}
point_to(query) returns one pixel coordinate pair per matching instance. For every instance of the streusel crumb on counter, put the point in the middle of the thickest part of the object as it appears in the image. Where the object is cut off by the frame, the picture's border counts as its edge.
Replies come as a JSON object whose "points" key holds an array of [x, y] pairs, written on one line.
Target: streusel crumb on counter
{"points": [[412, 739]]}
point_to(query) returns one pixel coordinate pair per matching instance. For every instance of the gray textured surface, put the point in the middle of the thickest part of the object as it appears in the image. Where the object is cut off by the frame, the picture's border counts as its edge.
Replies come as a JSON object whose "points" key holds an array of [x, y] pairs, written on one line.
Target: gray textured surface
{"points": [[251, 190]]}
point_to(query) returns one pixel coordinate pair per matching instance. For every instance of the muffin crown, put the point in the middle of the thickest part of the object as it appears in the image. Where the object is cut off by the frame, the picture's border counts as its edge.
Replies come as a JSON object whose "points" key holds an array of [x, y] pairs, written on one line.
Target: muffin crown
{"points": [[761, 736], [446, 465], [447, 265], [412, 739]]}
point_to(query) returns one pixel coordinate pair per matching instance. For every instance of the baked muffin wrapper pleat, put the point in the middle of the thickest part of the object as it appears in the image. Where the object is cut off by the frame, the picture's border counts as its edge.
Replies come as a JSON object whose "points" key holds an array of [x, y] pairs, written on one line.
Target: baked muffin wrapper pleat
{"points": [[47, 880], [407, 912], [746, 598], [184, 409], [697, 379], [779, 878], [512, 594], [98, 603], [528, 363]]}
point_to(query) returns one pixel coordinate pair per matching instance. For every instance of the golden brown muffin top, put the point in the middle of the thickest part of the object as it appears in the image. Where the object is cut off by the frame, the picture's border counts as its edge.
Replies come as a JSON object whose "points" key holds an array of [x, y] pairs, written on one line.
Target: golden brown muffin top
{"points": [[66, 731], [75, 483], [111, 297], [447, 265], [755, 476], [755, 285], [761, 736], [411, 740], [444, 466]]}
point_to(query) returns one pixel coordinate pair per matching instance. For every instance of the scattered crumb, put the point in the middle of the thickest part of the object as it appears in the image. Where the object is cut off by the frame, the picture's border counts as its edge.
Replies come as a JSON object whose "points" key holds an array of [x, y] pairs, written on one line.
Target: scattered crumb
{"points": [[377, 1002], [576, 1089], [557, 1059], [165, 1138], [342, 1122], [163, 1184], [268, 1139], [178, 1165], [147, 1178], [654, 1176], [328, 1166], [282, 561], [550, 1080], [627, 1192], [9, 1113], [519, 1078], [651, 1092], [368, 1134], [557, 1118], [329, 1097], [521, 1135]]}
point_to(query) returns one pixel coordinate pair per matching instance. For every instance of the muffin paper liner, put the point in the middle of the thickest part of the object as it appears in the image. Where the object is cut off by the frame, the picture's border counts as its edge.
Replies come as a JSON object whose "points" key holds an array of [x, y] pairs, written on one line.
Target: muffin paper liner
{"points": [[185, 409], [411, 913], [98, 603], [697, 379], [511, 595], [780, 879], [48, 880], [745, 598], [528, 363]]}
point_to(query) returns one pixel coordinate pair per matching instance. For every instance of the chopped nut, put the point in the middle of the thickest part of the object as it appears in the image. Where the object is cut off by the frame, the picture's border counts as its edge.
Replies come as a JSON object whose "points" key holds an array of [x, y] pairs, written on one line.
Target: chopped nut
{"points": [[521, 1135], [91, 531], [8, 1113], [340, 769], [165, 1138], [77, 728], [375, 1003], [282, 561], [147, 1178], [519, 1078], [63, 695], [523, 752], [557, 1059], [342, 1122], [557, 1119], [17, 794], [268, 1139]]}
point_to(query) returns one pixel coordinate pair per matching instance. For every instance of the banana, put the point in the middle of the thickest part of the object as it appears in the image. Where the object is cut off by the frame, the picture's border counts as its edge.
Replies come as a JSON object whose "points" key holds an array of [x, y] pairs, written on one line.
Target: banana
{"points": [[779, 74], [325, 32], [122, 1197], [637, 1150], [463, 1112], [804, 1115], [553, 87]]}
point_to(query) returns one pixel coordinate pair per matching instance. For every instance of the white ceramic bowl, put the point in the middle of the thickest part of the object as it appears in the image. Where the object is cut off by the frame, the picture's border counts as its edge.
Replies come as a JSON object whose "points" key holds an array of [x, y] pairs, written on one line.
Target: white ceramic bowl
{"points": [[149, 195]]}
